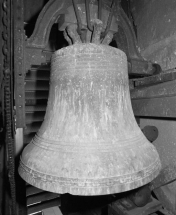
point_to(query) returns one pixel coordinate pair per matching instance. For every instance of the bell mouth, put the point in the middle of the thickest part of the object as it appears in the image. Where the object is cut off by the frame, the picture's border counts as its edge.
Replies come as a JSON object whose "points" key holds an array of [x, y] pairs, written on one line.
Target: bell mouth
{"points": [[88, 187], [80, 175]]}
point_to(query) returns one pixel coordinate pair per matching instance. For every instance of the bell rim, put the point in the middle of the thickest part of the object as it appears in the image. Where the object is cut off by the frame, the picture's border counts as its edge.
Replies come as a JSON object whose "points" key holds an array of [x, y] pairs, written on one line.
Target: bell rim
{"points": [[92, 190]]}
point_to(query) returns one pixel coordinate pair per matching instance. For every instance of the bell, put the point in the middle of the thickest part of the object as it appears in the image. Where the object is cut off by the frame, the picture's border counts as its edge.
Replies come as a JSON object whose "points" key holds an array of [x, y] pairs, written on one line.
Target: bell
{"points": [[89, 142]]}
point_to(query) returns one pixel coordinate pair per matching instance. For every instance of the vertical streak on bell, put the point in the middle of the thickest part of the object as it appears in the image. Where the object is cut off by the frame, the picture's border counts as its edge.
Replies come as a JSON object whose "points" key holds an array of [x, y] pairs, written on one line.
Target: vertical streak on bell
{"points": [[89, 142], [89, 99]]}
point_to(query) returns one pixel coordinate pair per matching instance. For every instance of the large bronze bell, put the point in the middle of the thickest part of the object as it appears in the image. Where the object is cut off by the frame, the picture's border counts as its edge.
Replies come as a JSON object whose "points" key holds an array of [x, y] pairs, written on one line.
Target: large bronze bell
{"points": [[89, 142]]}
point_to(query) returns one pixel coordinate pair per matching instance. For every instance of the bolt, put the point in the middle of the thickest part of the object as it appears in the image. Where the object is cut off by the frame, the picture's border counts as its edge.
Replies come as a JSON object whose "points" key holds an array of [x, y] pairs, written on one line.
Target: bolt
{"points": [[7, 71]]}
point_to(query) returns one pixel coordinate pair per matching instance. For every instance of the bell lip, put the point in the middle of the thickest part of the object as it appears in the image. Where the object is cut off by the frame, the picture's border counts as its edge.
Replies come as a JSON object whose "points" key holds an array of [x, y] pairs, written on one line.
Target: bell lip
{"points": [[64, 49], [87, 191]]}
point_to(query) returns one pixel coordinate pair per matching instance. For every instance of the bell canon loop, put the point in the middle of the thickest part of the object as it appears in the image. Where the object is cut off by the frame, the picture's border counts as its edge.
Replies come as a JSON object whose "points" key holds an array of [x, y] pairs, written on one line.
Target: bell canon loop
{"points": [[89, 142]]}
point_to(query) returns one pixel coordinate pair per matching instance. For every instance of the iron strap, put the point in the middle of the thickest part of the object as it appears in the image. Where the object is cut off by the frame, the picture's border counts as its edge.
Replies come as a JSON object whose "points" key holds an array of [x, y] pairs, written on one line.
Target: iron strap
{"points": [[19, 71], [8, 100]]}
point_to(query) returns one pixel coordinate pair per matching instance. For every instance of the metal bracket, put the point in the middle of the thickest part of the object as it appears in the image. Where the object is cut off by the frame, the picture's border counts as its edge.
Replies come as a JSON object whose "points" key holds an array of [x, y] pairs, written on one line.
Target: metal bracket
{"points": [[46, 19], [49, 15], [19, 63], [126, 25], [165, 76], [126, 40], [38, 41]]}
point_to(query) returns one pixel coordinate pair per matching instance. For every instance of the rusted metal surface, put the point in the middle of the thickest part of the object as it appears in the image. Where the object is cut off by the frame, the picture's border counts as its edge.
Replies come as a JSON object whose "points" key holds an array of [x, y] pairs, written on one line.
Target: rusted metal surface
{"points": [[156, 107], [35, 45], [86, 17], [7, 170], [89, 26], [2, 145], [157, 100], [80, 29], [141, 67], [111, 14], [71, 17], [164, 76], [155, 96], [2, 38], [36, 57], [165, 89], [18, 36], [19, 69], [8, 111]]}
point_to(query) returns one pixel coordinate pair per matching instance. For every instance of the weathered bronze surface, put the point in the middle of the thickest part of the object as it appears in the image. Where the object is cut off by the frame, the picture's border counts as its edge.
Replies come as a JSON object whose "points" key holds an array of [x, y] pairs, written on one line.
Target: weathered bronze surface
{"points": [[89, 142]]}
